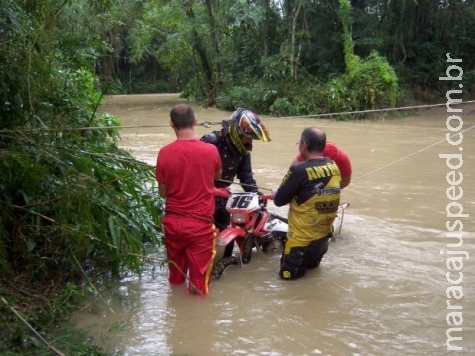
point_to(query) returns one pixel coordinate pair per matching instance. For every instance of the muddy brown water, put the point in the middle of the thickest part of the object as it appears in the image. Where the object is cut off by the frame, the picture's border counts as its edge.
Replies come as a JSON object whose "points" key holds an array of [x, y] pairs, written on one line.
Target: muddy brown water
{"points": [[382, 289]]}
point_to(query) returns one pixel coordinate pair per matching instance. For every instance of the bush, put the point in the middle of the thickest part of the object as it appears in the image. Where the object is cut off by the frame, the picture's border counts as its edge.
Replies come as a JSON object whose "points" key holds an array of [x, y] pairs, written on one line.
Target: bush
{"points": [[373, 81]]}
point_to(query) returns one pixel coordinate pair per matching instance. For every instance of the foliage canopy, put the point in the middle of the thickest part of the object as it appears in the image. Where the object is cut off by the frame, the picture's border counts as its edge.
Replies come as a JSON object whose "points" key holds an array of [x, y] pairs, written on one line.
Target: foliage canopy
{"points": [[257, 53]]}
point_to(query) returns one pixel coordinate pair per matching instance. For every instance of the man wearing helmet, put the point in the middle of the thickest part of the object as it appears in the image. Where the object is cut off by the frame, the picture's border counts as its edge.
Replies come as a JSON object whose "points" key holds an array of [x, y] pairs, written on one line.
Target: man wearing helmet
{"points": [[234, 143]]}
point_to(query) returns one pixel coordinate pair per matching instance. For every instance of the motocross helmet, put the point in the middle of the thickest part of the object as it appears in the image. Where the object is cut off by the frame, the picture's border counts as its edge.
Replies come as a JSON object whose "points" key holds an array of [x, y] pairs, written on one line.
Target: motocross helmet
{"points": [[246, 124]]}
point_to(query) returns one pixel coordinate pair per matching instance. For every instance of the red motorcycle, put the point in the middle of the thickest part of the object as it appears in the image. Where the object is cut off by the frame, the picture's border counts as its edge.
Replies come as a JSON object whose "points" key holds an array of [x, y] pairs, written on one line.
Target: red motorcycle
{"points": [[253, 226]]}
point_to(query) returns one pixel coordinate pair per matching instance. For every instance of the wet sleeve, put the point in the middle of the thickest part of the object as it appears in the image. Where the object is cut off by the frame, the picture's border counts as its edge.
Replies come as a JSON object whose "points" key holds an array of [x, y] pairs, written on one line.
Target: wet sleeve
{"points": [[210, 138], [159, 171], [245, 175], [343, 162], [288, 188]]}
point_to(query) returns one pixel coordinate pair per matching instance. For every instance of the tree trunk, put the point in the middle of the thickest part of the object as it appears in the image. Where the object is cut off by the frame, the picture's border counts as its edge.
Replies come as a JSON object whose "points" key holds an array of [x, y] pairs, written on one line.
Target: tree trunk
{"points": [[201, 51], [293, 50]]}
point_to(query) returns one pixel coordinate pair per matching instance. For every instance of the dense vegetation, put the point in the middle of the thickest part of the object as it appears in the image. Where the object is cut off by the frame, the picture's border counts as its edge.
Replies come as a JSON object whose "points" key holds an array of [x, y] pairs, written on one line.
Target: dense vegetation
{"points": [[292, 57], [73, 203]]}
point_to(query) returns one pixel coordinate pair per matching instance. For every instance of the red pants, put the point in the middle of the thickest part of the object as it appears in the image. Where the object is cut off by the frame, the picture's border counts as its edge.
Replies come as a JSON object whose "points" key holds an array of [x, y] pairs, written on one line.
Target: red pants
{"points": [[190, 245]]}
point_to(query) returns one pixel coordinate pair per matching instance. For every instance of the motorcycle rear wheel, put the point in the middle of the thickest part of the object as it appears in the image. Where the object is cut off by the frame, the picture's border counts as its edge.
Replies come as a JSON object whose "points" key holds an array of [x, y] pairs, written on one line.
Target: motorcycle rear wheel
{"points": [[222, 265]]}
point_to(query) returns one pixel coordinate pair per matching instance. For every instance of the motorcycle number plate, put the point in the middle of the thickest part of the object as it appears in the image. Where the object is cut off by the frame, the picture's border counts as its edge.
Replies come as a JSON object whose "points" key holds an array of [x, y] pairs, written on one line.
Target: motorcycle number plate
{"points": [[242, 201]]}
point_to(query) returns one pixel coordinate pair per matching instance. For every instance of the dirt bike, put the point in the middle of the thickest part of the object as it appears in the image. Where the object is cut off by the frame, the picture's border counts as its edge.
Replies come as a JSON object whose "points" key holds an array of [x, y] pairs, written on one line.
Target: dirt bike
{"points": [[253, 226]]}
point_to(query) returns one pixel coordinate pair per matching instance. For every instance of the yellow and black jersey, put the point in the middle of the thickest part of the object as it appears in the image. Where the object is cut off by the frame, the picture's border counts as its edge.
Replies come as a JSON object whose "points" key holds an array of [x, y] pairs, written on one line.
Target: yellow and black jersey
{"points": [[312, 188]]}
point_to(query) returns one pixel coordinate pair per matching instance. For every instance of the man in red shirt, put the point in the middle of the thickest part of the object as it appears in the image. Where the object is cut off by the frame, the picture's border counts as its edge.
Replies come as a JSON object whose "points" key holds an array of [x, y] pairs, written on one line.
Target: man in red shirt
{"points": [[340, 158], [186, 170]]}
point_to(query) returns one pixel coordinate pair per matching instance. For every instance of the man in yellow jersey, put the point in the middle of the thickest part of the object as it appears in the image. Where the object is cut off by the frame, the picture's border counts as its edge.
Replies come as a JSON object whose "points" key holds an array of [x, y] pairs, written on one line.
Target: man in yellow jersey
{"points": [[312, 190]]}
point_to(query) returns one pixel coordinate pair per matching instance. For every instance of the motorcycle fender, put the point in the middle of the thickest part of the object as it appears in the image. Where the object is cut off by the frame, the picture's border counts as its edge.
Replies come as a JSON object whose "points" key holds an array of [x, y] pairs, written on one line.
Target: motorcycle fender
{"points": [[277, 225], [228, 235]]}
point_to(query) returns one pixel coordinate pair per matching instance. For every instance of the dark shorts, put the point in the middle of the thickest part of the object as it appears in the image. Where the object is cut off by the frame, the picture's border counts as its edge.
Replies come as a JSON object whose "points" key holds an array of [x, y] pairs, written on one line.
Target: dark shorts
{"points": [[294, 264]]}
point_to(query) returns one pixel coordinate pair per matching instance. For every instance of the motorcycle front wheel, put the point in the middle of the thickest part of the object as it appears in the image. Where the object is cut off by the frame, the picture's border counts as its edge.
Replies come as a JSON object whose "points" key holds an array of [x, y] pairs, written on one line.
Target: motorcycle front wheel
{"points": [[222, 265]]}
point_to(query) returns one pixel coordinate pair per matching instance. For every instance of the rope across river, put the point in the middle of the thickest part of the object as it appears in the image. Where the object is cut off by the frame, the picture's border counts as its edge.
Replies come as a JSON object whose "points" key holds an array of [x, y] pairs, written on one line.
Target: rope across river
{"points": [[378, 169], [209, 123]]}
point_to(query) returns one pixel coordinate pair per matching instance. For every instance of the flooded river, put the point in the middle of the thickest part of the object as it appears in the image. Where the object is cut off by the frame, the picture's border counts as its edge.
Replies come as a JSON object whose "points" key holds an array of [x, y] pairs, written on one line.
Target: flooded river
{"points": [[389, 284]]}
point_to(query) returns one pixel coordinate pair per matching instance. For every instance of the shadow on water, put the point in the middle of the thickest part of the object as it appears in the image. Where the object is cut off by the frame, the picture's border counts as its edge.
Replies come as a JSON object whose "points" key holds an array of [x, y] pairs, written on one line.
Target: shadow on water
{"points": [[380, 290]]}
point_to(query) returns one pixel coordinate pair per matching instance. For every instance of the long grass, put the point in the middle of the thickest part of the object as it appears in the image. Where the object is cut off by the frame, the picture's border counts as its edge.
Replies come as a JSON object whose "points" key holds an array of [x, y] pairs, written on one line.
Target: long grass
{"points": [[74, 208]]}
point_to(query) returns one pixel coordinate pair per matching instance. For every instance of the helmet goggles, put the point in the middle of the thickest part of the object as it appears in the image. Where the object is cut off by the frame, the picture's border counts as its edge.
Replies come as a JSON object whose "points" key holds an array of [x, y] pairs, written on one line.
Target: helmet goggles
{"points": [[249, 125]]}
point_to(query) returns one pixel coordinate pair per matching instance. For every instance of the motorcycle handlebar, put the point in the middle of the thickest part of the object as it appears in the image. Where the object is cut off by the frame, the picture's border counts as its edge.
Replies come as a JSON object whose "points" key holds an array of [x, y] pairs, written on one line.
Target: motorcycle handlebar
{"points": [[226, 193], [266, 197]]}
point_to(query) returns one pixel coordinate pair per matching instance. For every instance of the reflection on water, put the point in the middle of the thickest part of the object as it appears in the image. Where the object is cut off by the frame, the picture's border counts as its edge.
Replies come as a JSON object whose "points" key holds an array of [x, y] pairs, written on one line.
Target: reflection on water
{"points": [[380, 290]]}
